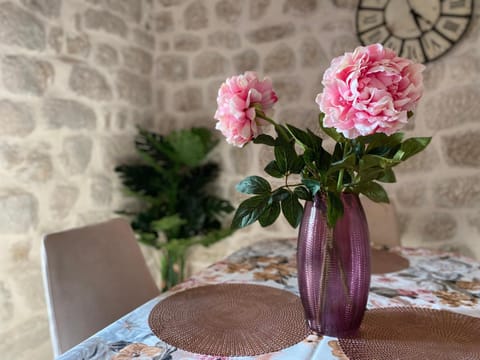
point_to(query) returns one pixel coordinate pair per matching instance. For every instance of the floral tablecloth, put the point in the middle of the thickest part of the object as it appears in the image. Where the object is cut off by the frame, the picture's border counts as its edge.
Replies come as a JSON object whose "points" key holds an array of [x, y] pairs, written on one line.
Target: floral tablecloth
{"points": [[433, 280]]}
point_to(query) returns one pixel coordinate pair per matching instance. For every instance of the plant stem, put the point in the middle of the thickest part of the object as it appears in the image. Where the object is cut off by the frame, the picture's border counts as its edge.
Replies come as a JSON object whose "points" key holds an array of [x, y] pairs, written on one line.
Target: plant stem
{"points": [[340, 174]]}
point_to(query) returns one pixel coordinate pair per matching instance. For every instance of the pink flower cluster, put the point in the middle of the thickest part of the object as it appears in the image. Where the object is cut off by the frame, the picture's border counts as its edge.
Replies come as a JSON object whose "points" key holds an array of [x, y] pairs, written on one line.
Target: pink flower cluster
{"points": [[237, 99], [369, 91]]}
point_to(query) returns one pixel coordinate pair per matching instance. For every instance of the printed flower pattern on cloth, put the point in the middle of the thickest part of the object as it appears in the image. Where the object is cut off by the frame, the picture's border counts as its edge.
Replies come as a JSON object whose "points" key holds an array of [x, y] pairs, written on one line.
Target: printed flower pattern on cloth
{"points": [[426, 283], [370, 90]]}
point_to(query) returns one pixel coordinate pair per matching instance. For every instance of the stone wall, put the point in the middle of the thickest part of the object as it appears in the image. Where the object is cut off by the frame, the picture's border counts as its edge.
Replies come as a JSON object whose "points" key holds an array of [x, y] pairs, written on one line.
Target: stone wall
{"points": [[76, 76]]}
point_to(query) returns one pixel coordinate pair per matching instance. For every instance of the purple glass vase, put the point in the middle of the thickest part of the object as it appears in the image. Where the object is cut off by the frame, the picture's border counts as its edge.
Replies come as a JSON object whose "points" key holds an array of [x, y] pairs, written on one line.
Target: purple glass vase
{"points": [[334, 267]]}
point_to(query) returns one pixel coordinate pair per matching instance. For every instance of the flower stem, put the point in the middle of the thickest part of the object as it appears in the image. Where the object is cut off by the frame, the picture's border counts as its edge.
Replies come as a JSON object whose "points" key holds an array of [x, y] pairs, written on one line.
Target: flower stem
{"points": [[341, 172]]}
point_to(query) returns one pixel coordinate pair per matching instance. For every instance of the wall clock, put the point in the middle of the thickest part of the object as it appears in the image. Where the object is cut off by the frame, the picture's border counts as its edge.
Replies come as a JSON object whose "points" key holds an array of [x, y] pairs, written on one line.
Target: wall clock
{"points": [[421, 30]]}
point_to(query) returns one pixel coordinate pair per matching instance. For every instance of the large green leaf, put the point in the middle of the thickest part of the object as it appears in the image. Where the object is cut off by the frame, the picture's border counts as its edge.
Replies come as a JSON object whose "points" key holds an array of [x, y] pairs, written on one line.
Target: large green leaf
{"points": [[334, 208], [253, 185], [313, 185], [270, 214], [264, 139], [292, 210], [374, 191], [249, 211], [272, 169], [413, 146]]}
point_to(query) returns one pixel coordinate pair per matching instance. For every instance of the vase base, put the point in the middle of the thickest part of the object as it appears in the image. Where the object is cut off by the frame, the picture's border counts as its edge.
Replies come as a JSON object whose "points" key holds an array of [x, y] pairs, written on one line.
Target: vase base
{"points": [[339, 333]]}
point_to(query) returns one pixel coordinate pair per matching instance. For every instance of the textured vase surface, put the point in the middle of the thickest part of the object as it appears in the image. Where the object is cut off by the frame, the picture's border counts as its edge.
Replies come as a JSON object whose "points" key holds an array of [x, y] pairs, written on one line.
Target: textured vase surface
{"points": [[334, 267]]}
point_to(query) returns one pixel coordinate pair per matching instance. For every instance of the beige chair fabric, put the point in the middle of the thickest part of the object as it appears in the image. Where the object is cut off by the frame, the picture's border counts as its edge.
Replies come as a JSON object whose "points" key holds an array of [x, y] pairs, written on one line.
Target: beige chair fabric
{"points": [[93, 275], [382, 223]]}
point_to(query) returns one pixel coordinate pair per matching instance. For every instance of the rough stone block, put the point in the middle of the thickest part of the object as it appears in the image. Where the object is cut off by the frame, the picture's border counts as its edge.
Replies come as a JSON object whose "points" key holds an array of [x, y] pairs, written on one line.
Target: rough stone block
{"points": [[79, 45], [280, 58], [172, 68], [105, 21], [170, 3], [246, 60], [18, 27], [25, 75], [37, 167], [224, 39], [300, 7], [258, 8], [144, 39], [229, 10], [451, 107], [18, 211], [134, 89], [105, 55], [68, 113], [101, 190], [89, 82], [195, 16], [188, 99], [288, 88], [411, 194], [164, 22], [137, 60], [438, 226], [422, 162], [48, 8], [187, 42], [55, 39], [6, 303], [63, 199], [208, 64], [462, 192], [462, 149], [130, 10], [271, 33], [15, 118], [312, 54], [76, 153]]}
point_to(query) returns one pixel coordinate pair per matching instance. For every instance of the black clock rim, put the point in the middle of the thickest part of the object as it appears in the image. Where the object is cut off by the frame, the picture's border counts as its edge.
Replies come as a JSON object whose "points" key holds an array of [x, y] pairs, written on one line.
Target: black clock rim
{"points": [[454, 43]]}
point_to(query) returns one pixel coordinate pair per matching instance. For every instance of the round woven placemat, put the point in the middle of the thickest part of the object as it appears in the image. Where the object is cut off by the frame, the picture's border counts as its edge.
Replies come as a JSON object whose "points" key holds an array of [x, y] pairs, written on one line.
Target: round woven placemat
{"points": [[414, 333], [230, 320], [384, 261]]}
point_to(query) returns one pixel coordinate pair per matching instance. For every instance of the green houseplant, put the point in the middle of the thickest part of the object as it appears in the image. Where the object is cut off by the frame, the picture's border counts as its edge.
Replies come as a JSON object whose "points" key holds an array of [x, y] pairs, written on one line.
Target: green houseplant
{"points": [[173, 184]]}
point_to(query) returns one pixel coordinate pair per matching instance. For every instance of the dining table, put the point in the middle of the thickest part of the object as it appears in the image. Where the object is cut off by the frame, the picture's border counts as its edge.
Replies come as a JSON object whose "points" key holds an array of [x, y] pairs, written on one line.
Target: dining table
{"points": [[430, 279]]}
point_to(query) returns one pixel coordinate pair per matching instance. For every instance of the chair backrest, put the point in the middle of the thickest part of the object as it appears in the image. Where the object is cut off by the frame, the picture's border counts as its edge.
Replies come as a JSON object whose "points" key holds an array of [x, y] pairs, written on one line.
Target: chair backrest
{"points": [[382, 222], [93, 275]]}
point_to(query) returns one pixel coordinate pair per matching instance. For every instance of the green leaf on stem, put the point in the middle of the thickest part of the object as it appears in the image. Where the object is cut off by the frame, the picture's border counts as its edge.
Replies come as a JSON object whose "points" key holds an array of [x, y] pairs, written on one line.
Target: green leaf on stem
{"points": [[374, 191], [388, 176], [334, 208], [302, 193], [264, 139], [314, 186], [369, 161], [279, 194], [285, 156], [300, 136], [413, 146], [253, 185], [346, 163], [292, 210], [249, 211], [270, 214], [272, 169]]}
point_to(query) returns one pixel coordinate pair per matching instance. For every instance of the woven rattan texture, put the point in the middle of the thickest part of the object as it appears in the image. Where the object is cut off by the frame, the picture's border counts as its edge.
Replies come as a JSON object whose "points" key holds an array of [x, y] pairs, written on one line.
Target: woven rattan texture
{"points": [[414, 333], [230, 320], [384, 261]]}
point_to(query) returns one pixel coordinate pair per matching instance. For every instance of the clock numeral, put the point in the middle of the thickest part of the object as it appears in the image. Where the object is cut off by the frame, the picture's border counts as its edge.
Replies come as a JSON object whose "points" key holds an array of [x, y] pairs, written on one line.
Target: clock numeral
{"points": [[377, 35], [373, 4], [452, 27], [368, 19], [434, 44], [412, 49], [394, 43], [456, 7]]}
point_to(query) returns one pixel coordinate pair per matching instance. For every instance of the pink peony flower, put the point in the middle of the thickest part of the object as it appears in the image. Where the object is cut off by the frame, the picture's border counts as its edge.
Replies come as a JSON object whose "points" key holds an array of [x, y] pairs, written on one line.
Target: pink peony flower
{"points": [[237, 99], [369, 91]]}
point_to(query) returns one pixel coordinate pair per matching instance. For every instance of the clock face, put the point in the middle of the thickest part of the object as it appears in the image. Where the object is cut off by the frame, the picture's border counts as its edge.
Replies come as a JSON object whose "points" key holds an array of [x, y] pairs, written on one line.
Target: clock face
{"points": [[421, 30]]}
